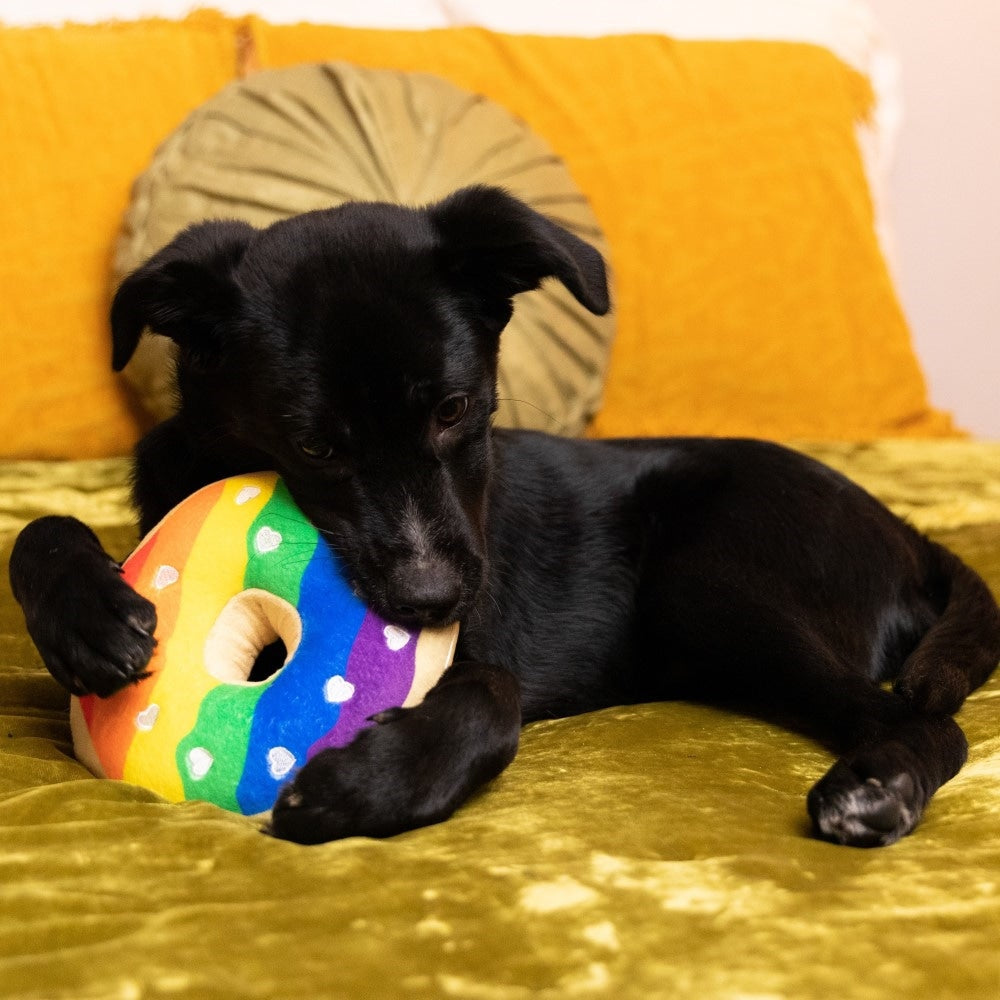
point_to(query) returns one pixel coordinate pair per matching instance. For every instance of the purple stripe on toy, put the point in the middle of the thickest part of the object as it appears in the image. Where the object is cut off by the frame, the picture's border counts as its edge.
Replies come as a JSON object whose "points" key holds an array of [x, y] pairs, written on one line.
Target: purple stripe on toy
{"points": [[379, 675]]}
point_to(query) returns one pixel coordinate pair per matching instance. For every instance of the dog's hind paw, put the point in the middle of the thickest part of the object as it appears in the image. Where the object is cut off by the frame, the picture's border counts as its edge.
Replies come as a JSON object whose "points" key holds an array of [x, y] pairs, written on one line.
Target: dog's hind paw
{"points": [[851, 807]]}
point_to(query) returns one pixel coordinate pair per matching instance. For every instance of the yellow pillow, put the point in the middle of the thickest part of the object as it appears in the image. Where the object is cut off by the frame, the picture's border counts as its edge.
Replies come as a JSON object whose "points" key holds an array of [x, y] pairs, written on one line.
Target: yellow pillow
{"points": [[83, 108], [752, 295]]}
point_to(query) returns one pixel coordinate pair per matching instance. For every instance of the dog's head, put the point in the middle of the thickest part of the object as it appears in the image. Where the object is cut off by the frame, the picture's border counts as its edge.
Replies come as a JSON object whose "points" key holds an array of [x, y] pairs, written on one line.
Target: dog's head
{"points": [[355, 350]]}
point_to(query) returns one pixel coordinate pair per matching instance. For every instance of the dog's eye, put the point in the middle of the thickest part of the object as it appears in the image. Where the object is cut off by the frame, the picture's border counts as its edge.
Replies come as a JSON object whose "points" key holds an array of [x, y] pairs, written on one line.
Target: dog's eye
{"points": [[315, 449], [451, 411]]}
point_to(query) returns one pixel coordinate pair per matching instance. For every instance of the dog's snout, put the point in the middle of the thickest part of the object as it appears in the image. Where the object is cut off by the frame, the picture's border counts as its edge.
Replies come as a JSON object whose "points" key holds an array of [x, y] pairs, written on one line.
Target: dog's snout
{"points": [[426, 591]]}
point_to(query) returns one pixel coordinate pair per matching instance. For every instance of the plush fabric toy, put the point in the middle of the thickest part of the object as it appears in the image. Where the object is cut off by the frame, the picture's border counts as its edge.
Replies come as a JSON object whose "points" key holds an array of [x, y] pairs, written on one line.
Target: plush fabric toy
{"points": [[231, 569]]}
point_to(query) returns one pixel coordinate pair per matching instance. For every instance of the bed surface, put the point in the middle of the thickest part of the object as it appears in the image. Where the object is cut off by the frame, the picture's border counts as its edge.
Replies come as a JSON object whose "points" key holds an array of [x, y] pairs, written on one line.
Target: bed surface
{"points": [[593, 867]]}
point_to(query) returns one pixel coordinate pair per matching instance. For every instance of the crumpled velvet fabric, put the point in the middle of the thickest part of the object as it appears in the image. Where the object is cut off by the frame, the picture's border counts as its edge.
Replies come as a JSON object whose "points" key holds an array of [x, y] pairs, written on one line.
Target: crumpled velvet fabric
{"points": [[646, 851]]}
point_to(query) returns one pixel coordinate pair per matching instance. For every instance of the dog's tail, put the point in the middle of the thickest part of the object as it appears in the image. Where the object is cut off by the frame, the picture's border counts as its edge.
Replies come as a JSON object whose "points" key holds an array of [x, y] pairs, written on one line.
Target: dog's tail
{"points": [[962, 648]]}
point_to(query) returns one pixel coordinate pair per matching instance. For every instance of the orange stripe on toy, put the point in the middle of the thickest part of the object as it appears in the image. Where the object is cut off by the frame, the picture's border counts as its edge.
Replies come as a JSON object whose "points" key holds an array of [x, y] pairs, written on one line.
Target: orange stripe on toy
{"points": [[113, 722], [212, 557]]}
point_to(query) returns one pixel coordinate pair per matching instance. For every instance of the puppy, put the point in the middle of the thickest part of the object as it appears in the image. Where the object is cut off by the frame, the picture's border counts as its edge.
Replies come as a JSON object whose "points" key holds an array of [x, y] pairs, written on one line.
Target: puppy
{"points": [[354, 350]]}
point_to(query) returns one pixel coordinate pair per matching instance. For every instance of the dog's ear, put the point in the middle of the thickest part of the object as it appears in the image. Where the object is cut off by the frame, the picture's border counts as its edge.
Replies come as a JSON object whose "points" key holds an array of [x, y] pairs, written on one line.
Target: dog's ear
{"points": [[184, 291], [496, 246]]}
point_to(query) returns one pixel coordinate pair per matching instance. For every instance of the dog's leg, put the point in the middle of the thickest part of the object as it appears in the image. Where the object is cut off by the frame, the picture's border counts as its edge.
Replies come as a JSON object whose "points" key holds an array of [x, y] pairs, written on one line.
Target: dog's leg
{"points": [[894, 756], [415, 767], [94, 632], [877, 792], [905, 744]]}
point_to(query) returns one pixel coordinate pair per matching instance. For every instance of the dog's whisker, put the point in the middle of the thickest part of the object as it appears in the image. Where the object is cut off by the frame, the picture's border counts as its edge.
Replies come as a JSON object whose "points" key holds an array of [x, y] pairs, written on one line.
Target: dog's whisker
{"points": [[553, 420]]}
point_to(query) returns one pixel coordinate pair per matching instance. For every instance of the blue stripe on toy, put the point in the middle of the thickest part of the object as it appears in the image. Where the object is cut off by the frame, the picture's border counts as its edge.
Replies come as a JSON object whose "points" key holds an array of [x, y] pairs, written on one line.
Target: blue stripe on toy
{"points": [[381, 674], [294, 708]]}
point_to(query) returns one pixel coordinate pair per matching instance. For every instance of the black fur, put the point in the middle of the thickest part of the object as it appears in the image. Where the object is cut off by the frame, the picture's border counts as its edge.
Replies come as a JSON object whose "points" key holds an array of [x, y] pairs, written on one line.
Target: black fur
{"points": [[354, 350]]}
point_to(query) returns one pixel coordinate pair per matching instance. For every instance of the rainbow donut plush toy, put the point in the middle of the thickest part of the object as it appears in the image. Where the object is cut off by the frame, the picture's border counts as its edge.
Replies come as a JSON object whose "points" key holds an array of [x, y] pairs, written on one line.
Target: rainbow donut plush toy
{"points": [[232, 568]]}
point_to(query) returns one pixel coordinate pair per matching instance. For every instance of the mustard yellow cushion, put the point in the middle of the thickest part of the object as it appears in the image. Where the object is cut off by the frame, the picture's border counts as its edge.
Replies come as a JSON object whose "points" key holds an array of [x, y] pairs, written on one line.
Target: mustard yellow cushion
{"points": [[83, 108], [751, 293], [312, 136]]}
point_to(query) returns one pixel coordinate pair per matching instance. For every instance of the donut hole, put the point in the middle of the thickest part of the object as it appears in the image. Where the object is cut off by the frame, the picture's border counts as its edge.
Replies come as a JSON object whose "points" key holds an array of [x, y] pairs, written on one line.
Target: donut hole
{"points": [[253, 637], [269, 661]]}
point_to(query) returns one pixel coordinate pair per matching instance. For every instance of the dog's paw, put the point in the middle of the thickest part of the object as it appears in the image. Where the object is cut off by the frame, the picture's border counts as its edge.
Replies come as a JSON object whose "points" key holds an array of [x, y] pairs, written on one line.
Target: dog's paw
{"points": [[93, 631], [414, 767], [364, 789], [852, 806], [301, 818]]}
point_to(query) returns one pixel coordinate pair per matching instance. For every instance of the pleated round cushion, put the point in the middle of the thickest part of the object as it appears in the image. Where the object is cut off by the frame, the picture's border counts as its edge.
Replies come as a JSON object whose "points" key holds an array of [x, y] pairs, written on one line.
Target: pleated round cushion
{"points": [[313, 136]]}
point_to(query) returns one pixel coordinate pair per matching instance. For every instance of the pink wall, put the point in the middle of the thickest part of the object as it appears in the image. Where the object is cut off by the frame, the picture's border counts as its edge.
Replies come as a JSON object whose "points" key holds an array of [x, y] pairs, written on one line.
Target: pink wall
{"points": [[944, 197]]}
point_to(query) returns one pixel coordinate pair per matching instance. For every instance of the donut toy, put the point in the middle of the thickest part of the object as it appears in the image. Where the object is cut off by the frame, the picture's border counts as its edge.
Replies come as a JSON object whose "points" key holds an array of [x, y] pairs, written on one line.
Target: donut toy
{"points": [[230, 570]]}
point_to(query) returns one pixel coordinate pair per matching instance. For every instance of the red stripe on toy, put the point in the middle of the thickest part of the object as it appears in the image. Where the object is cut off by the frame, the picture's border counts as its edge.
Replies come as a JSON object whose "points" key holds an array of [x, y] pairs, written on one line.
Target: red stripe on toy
{"points": [[133, 566]]}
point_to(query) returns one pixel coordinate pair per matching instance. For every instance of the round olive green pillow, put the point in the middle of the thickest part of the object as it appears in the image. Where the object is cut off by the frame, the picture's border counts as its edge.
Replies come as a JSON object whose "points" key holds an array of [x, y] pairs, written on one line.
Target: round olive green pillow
{"points": [[287, 141]]}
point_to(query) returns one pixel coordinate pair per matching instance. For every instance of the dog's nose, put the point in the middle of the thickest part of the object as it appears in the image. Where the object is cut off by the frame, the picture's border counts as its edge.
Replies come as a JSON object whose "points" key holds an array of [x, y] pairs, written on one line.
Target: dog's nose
{"points": [[425, 591]]}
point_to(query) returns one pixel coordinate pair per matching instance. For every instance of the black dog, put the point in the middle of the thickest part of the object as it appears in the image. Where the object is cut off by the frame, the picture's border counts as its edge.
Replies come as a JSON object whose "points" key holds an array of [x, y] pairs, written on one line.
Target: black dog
{"points": [[354, 351]]}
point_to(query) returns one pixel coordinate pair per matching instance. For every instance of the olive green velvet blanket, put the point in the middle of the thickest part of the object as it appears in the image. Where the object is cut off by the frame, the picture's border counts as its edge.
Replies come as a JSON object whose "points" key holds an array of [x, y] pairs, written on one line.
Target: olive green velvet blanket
{"points": [[650, 851]]}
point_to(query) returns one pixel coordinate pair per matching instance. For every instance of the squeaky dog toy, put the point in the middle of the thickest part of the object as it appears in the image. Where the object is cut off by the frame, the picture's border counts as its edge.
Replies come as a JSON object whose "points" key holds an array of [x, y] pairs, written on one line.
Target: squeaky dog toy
{"points": [[230, 570]]}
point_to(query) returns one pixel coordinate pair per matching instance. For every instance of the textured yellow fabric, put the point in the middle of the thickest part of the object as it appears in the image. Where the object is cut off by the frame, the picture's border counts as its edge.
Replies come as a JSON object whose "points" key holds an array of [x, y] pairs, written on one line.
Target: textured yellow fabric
{"points": [[655, 851], [751, 293], [82, 109]]}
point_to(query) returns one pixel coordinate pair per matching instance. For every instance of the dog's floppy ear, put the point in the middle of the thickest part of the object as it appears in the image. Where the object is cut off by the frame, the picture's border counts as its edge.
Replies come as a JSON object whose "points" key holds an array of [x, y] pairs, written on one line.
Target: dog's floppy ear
{"points": [[496, 246], [184, 291]]}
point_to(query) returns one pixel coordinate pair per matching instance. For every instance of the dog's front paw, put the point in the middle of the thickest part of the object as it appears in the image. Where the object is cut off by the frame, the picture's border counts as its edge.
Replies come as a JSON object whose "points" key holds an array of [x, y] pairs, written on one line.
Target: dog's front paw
{"points": [[414, 768], [851, 805], [93, 631], [368, 788], [299, 816]]}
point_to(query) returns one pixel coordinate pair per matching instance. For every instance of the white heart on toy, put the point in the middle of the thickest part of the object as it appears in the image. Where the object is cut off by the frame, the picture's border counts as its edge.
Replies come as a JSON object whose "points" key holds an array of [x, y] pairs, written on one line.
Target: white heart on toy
{"points": [[199, 762], [267, 540], [247, 494], [146, 719], [280, 760], [337, 690], [395, 637], [165, 576]]}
